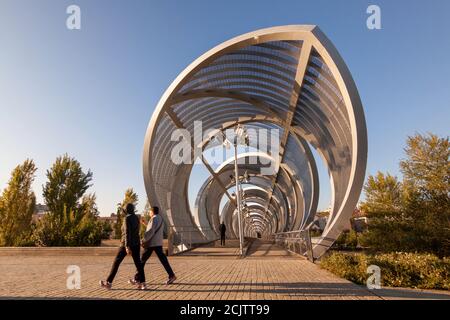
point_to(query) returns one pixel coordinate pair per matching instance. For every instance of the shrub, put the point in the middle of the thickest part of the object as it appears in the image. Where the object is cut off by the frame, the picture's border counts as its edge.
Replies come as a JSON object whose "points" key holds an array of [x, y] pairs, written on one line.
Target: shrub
{"points": [[424, 271], [349, 266], [49, 232], [348, 240], [86, 232], [107, 230]]}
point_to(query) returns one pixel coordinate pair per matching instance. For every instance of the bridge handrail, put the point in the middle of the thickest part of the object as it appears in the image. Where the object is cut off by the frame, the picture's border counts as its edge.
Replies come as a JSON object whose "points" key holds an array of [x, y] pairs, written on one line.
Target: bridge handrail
{"points": [[295, 240], [189, 228]]}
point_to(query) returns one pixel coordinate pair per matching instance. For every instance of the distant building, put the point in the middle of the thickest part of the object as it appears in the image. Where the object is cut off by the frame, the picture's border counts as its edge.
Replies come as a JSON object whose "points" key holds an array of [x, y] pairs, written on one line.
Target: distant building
{"points": [[358, 212], [320, 221], [111, 219], [39, 211], [40, 208], [359, 220], [359, 224]]}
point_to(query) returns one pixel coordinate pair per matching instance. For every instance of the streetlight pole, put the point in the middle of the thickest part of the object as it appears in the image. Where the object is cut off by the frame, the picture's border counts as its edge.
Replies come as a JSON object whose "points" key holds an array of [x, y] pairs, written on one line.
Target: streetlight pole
{"points": [[243, 208], [240, 135], [238, 199]]}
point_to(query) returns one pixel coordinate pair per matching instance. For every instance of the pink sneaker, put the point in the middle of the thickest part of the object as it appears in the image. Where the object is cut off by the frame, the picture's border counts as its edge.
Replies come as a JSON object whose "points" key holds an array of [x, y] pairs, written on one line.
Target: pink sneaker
{"points": [[171, 279], [105, 284]]}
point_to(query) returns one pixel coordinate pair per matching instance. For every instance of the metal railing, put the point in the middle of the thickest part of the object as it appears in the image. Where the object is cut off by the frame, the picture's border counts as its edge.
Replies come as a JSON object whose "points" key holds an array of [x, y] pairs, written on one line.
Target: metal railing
{"points": [[296, 241]]}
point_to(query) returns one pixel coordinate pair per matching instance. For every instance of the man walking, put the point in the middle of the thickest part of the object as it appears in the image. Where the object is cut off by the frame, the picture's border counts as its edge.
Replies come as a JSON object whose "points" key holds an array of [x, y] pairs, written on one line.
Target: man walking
{"points": [[130, 244], [153, 241], [222, 230]]}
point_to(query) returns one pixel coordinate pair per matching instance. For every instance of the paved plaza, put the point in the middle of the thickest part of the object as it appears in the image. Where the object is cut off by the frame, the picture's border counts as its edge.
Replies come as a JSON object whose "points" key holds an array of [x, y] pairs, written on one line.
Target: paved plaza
{"points": [[205, 273]]}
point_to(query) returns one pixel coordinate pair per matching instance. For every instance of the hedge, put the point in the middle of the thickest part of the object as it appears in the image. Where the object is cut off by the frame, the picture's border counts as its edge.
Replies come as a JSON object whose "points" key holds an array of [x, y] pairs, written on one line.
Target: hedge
{"points": [[413, 270]]}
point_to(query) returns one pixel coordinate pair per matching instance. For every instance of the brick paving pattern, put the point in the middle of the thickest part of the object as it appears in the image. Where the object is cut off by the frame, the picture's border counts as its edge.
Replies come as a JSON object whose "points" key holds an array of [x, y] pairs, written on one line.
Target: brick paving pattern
{"points": [[200, 276]]}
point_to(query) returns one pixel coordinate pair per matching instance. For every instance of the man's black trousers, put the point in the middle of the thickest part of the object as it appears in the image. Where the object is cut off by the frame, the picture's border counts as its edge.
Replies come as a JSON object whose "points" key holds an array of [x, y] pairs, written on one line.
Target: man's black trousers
{"points": [[121, 254]]}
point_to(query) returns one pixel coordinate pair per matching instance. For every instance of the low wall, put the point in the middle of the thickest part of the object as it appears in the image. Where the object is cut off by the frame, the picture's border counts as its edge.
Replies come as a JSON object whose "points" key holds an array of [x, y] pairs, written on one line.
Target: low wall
{"points": [[56, 251], [107, 249]]}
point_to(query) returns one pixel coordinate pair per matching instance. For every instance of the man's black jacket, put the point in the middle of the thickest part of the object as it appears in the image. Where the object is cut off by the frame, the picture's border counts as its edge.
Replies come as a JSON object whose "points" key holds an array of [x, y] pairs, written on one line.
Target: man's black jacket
{"points": [[130, 231]]}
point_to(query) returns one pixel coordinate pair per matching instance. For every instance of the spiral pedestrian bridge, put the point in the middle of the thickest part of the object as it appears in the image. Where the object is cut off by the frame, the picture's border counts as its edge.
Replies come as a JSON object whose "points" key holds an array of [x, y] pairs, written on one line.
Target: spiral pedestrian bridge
{"points": [[288, 79]]}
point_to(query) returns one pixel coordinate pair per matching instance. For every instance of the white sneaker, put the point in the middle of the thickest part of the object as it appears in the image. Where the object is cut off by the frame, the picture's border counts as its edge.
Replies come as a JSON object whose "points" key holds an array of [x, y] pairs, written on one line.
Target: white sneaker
{"points": [[142, 286]]}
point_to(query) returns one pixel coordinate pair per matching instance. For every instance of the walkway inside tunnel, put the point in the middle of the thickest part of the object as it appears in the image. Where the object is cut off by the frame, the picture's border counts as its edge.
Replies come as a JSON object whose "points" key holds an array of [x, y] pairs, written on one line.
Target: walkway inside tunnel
{"points": [[255, 248], [268, 249]]}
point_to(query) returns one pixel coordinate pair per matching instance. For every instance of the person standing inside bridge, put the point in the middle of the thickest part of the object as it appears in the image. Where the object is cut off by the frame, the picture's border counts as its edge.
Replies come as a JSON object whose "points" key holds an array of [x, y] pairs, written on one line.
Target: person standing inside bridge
{"points": [[222, 230], [130, 244], [153, 241]]}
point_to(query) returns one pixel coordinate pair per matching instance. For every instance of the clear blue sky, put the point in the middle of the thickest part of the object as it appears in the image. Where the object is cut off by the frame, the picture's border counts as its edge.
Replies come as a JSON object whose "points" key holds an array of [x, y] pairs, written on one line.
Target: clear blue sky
{"points": [[91, 92]]}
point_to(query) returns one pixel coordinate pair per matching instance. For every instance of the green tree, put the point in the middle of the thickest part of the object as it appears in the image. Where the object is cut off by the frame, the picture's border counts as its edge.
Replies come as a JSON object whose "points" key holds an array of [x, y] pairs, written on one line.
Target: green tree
{"points": [[388, 232], [66, 185], [145, 217], [88, 231], [427, 168], [71, 214], [413, 215], [118, 224], [426, 172], [129, 197], [100, 229], [17, 204], [383, 206], [383, 194]]}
